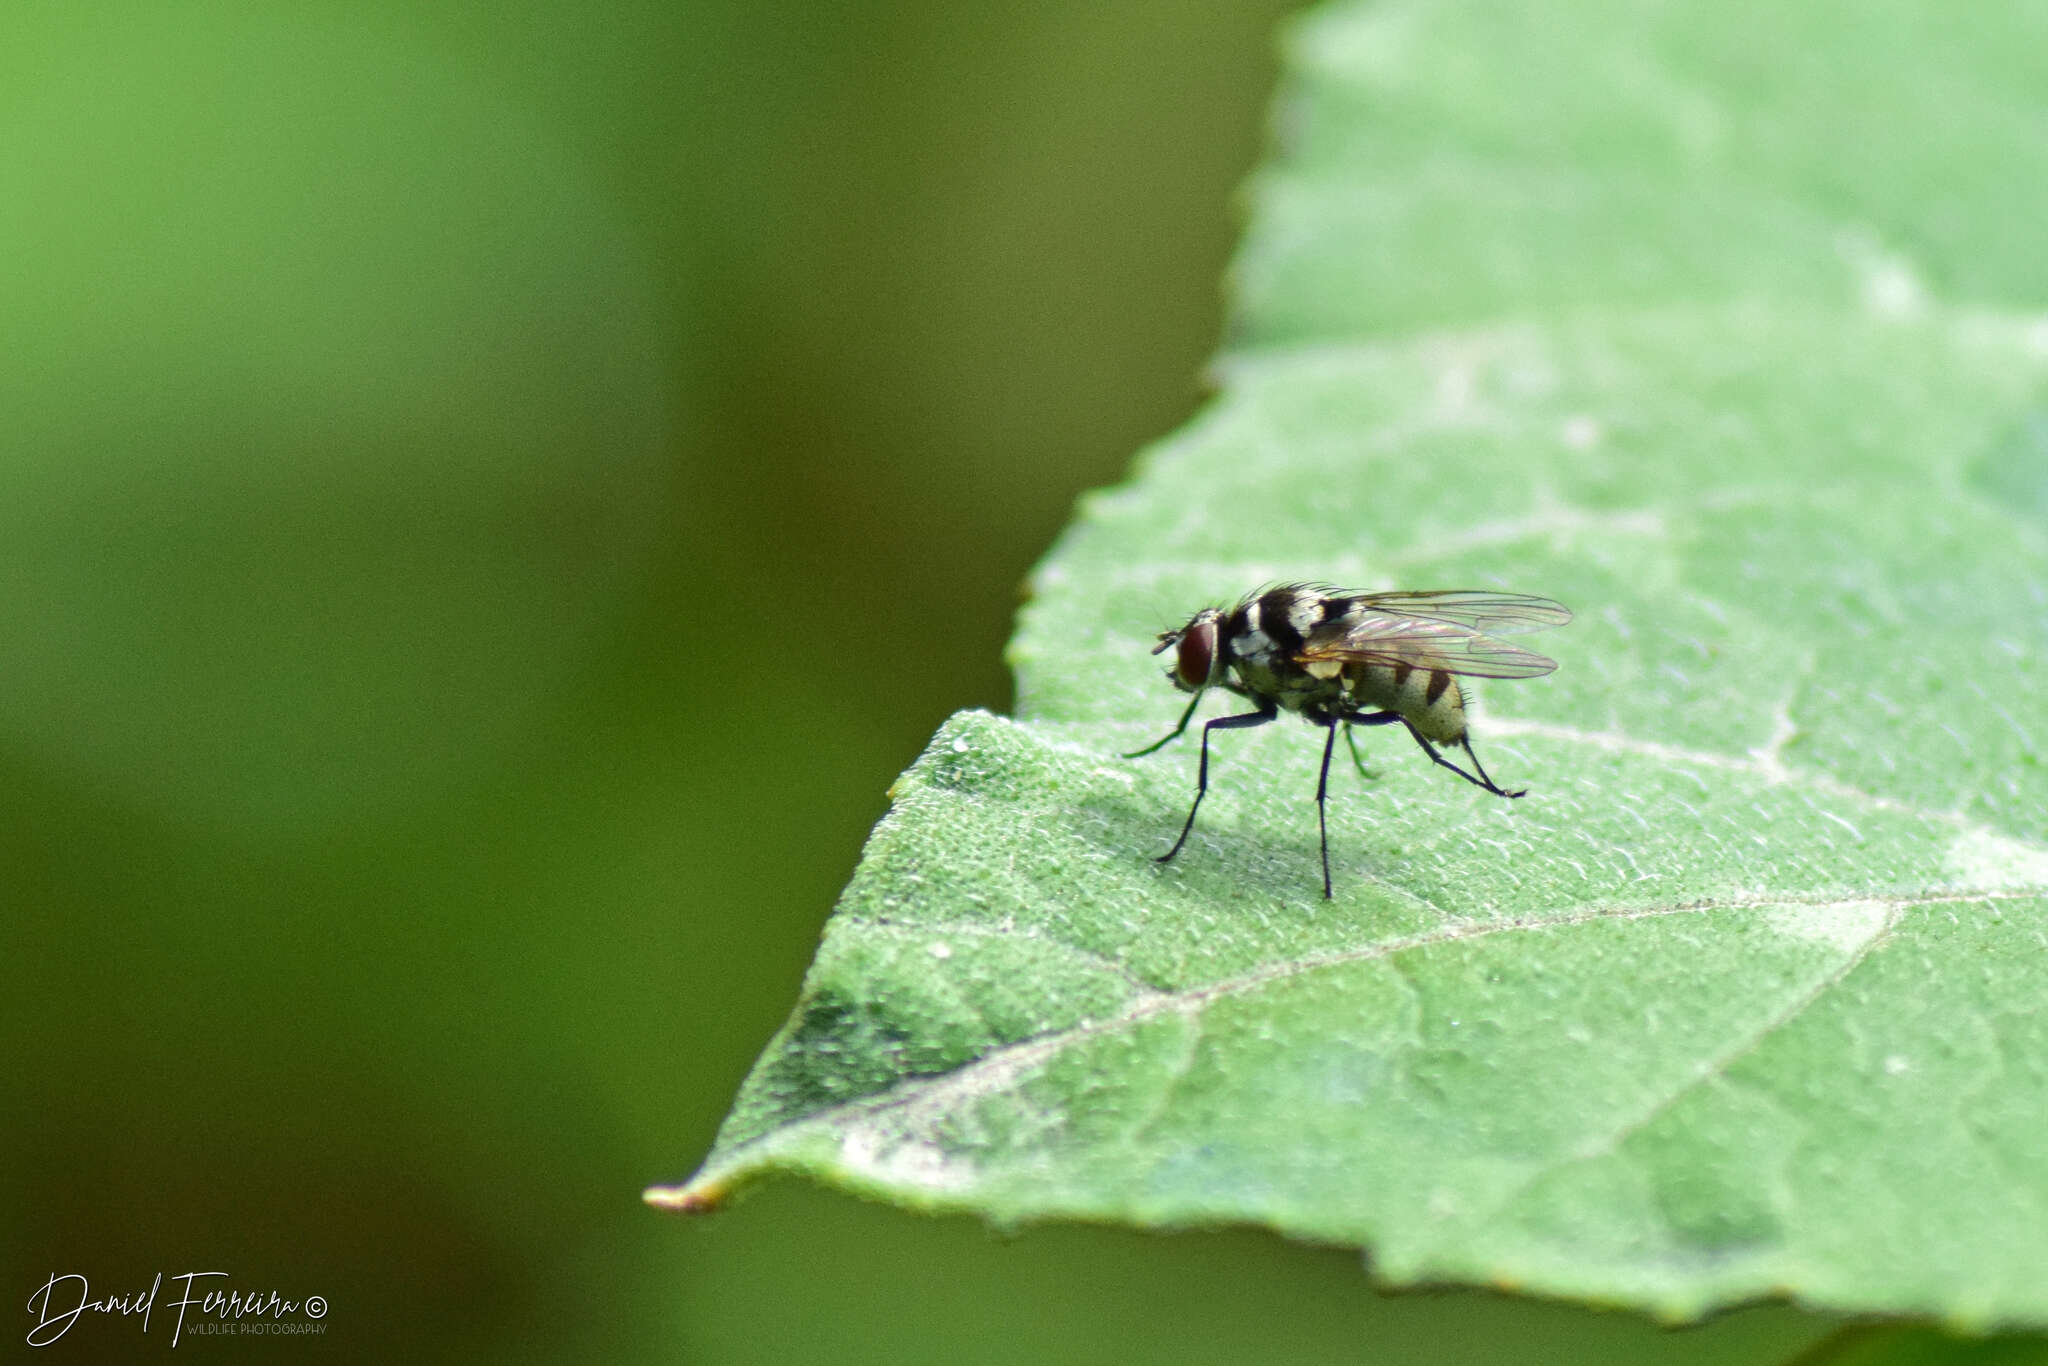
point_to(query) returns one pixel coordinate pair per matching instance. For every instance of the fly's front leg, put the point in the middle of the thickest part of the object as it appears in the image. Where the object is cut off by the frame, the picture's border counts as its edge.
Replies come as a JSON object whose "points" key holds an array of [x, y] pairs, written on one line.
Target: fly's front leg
{"points": [[1481, 781], [1171, 735], [1245, 721]]}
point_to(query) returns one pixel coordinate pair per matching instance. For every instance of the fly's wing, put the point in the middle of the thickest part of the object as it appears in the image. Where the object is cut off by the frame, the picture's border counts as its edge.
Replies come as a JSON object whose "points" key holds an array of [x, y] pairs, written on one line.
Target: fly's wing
{"points": [[1375, 631], [1493, 614]]}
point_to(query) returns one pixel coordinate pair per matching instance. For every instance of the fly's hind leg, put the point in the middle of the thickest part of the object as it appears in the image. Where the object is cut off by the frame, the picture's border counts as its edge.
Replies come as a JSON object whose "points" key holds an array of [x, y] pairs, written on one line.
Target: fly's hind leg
{"points": [[1466, 744]]}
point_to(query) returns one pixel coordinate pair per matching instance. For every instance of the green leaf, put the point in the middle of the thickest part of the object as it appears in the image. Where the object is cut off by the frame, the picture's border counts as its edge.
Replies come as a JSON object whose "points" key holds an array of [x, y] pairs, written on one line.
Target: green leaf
{"points": [[1746, 997]]}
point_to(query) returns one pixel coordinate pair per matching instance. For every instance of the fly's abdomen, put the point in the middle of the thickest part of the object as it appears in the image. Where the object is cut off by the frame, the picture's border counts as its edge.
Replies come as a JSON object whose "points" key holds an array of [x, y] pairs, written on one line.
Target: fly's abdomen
{"points": [[1428, 699]]}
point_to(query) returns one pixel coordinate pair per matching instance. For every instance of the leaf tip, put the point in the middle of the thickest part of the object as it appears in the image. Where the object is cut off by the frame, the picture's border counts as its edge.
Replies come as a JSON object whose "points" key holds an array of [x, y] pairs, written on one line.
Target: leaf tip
{"points": [[692, 1197]]}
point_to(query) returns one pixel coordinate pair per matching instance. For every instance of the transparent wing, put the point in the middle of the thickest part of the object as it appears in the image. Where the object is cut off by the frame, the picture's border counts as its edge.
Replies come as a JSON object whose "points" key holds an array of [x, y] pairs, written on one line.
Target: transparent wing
{"points": [[1496, 614], [1437, 631]]}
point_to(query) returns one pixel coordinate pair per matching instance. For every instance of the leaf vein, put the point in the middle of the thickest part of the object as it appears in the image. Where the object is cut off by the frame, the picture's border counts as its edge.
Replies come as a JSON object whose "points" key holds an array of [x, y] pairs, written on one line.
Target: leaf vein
{"points": [[1718, 1065], [898, 1107], [1762, 762]]}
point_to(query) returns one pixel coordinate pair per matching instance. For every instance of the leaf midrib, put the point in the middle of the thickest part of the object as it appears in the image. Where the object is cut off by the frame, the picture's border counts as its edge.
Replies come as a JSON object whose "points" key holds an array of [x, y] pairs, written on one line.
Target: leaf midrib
{"points": [[992, 1071]]}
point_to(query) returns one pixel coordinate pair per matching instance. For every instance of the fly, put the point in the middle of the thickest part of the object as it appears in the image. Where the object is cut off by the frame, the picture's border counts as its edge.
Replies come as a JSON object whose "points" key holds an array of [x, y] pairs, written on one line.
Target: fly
{"points": [[1353, 659]]}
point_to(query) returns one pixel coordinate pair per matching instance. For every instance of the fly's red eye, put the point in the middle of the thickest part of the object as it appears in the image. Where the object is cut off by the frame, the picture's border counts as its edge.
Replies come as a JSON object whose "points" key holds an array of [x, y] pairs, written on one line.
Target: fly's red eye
{"points": [[1197, 654]]}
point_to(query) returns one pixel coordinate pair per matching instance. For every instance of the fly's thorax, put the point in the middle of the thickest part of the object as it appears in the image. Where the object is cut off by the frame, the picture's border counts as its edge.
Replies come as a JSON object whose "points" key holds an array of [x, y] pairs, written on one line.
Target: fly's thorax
{"points": [[1264, 634], [1428, 699], [1287, 684], [1267, 629]]}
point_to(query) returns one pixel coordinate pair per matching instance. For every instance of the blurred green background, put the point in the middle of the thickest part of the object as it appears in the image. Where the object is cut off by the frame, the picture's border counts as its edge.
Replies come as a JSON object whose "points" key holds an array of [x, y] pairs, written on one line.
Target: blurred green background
{"points": [[490, 496]]}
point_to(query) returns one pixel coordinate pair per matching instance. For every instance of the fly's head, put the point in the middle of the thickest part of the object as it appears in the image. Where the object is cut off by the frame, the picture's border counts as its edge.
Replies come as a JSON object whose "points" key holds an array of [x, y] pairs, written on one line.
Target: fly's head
{"points": [[1197, 650]]}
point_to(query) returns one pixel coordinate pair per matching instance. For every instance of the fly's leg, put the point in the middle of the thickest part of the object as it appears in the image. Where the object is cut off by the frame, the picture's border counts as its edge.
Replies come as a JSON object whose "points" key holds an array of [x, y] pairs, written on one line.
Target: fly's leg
{"points": [[1245, 721], [1322, 792], [1365, 718], [1357, 759], [1171, 735], [1466, 744], [1357, 718]]}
